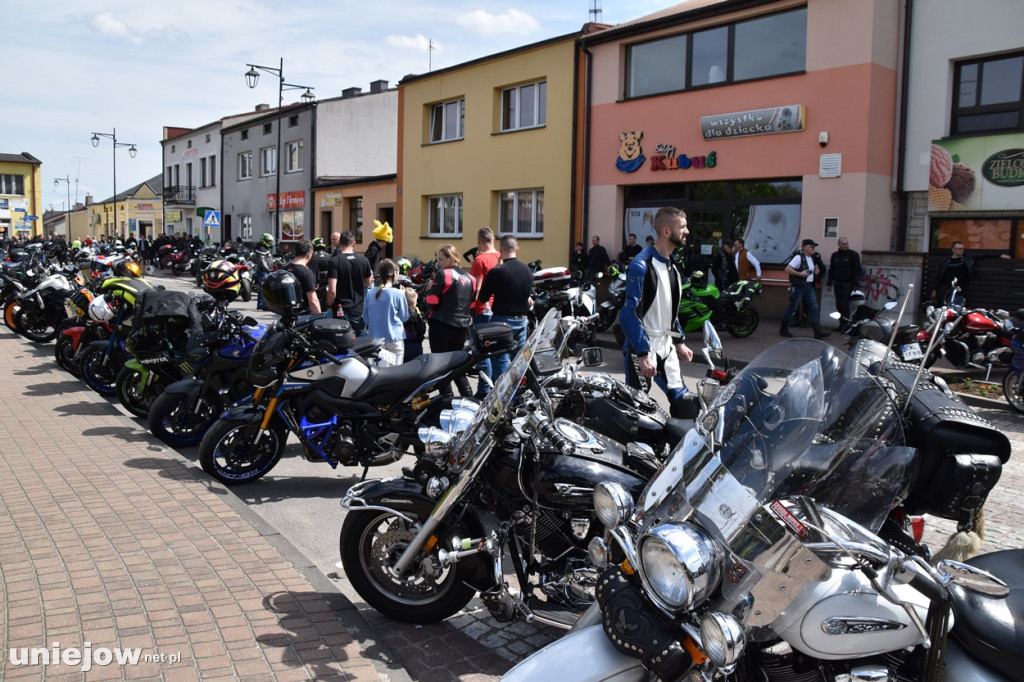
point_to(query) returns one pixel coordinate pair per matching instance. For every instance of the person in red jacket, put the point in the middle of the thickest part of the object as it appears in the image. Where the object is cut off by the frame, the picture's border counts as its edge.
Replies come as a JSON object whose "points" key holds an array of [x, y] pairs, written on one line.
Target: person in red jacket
{"points": [[449, 296]]}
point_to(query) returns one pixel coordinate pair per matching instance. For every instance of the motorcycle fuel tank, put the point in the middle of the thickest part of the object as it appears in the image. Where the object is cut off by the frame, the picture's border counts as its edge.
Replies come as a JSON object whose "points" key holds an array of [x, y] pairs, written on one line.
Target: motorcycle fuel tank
{"points": [[976, 323], [351, 371]]}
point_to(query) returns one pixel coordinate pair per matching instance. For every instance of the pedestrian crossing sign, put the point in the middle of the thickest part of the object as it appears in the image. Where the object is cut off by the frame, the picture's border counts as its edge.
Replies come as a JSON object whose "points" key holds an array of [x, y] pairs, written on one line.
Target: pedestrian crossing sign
{"points": [[212, 219]]}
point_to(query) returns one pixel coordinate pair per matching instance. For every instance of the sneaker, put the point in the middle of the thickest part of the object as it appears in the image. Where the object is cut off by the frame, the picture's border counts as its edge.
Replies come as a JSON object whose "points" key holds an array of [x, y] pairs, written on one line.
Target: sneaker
{"points": [[823, 335]]}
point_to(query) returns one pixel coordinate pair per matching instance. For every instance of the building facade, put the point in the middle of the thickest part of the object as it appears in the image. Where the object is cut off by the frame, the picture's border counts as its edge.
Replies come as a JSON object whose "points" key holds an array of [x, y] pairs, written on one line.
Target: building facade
{"points": [[135, 212], [191, 180], [772, 121], [490, 143], [21, 196]]}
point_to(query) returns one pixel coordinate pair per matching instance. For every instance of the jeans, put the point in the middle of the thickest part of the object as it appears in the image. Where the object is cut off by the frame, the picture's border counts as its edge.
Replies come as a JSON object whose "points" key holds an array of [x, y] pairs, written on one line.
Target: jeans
{"points": [[804, 293], [843, 292], [358, 326], [484, 366], [260, 275], [501, 362]]}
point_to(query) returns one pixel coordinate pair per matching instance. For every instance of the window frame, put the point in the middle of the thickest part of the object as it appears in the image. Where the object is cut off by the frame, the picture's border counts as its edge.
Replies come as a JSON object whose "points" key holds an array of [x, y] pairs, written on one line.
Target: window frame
{"points": [[958, 111], [12, 181], [245, 165], [729, 77], [536, 229], [432, 228], [288, 168], [540, 101], [443, 108], [266, 170]]}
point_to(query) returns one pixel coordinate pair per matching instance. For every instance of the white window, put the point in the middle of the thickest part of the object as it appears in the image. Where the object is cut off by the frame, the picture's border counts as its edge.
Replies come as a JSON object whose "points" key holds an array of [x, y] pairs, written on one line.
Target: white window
{"points": [[268, 161], [293, 156], [202, 172], [245, 165], [445, 215], [446, 120], [524, 106], [12, 184], [521, 212], [213, 171], [246, 222]]}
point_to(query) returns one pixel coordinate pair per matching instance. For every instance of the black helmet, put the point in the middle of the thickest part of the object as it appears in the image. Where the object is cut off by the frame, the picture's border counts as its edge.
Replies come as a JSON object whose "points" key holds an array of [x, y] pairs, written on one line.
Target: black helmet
{"points": [[282, 293]]}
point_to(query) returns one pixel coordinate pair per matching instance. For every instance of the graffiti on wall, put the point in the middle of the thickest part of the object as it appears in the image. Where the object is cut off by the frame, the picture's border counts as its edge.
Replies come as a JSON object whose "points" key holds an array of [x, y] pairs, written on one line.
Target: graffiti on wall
{"points": [[880, 285]]}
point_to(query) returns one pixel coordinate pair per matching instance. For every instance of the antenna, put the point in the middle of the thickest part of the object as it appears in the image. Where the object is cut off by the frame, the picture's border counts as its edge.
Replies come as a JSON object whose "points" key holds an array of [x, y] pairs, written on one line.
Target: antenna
{"points": [[430, 54], [595, 11]]}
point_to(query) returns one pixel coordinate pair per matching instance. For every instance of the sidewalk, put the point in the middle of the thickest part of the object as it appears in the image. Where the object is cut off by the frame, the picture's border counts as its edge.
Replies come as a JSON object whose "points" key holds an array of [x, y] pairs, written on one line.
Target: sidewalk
{"points": [[111, 542]]}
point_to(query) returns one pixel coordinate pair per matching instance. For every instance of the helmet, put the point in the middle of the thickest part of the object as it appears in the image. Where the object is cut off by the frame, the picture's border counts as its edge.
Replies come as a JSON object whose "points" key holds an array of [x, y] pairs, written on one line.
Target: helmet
{"points": [[118, 244], [319, 244], [614, 270], [282, 292], [76, 245], [857, 298], [221, 280], [127, 268], [382, 231], [267, 240], [101, 310], [404, 265]]}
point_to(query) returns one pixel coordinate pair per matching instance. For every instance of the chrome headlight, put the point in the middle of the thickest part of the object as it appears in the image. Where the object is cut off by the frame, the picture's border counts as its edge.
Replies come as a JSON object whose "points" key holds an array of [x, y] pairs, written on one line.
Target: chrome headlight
{"points": [[722, 638], [438, 442], [680, 565], [460, 416], [612, 504]]}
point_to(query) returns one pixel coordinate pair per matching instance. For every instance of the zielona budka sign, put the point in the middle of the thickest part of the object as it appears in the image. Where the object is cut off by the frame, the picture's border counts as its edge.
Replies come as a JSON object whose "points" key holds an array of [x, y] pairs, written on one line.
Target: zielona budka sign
{"points": [[1005, 168]]}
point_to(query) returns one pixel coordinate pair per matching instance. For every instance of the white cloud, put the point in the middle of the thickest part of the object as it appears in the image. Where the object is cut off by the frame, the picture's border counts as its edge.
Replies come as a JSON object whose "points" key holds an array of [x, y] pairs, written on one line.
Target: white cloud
{"points": [[108, 24], [416, 42], [485, 23]]}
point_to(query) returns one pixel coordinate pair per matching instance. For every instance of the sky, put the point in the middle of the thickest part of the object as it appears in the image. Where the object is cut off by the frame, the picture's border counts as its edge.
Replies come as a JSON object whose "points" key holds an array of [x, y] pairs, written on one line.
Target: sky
{"points": [[75, 68]]}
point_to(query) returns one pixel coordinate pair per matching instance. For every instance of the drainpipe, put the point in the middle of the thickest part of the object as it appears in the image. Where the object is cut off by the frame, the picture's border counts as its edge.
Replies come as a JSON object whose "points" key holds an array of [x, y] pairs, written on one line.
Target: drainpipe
{"points": [[585, 206], [902, 204], [574, 149]]}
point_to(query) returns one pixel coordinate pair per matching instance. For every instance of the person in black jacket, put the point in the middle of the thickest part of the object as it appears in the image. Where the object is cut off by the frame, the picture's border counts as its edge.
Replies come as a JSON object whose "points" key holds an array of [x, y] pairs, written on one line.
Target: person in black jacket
{"points": [[449, 296], [723, 266], [958, 266], [511, 285], [844, 275]]}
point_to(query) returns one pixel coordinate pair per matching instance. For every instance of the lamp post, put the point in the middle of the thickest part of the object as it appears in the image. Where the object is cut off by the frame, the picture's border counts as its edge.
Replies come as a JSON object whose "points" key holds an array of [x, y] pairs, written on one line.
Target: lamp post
{"points": [[252, 77], [132, 151], [67, 217]]}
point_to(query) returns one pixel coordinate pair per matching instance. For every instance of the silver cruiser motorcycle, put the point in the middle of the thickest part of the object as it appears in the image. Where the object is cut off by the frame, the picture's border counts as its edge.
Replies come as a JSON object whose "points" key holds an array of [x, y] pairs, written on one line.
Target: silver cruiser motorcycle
{"points": [[754, 554]]}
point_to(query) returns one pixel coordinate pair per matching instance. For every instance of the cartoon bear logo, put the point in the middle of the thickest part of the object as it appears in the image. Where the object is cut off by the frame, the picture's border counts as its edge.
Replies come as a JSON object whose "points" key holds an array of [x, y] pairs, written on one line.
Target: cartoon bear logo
{"points": [[631, 156]]}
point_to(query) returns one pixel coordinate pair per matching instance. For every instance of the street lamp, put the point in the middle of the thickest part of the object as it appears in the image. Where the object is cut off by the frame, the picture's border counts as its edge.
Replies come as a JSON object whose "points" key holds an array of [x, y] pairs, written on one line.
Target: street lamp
{"points": [[67, 218], [132, 151], [252, 77]]}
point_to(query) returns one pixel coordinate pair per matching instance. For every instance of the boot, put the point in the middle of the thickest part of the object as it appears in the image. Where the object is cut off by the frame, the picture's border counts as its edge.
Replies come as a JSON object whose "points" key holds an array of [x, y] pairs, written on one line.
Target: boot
{"points": [[784, 330]]}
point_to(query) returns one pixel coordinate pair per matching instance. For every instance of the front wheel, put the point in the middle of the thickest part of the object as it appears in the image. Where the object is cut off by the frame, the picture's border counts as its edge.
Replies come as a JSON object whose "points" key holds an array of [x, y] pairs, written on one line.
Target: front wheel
{"points": [[34, 326], [133, 396], [172, 421], [371, 542], [64, 352], [1013, 390], [743, 323], [236, 451], [10, 311], [100, 377], [246, 290]]}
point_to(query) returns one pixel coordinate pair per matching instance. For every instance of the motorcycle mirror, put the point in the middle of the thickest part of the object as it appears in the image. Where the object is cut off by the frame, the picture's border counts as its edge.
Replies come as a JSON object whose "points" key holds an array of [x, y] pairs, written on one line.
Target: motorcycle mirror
{"points": [[592, 357], [972, 578], [249, 321], [889, 305], [835, 315], [711, 339]]}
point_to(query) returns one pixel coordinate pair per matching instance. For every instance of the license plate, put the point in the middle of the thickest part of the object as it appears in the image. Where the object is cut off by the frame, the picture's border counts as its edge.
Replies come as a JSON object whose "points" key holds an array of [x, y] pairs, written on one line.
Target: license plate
{"points": [[911, 351], [387, 356]]}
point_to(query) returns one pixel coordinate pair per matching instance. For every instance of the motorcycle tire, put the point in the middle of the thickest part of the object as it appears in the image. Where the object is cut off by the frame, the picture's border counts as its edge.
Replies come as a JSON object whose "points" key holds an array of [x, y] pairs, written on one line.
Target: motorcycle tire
{"points": [[171, 422], [64, 353], [34, 327], [223, 455], [246, 293], [743, 323], [97, 376], [1014, 396], [135, 399], [9, 312], [370, 542], [606, 320]]}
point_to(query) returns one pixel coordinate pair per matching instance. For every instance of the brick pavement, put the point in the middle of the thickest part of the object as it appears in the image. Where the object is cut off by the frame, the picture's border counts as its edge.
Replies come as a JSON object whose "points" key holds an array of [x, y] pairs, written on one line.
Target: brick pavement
{"points": [[107, 538]]}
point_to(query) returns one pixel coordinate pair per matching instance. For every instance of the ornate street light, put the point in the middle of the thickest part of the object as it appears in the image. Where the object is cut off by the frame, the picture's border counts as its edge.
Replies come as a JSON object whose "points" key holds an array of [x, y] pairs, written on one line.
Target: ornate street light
{"points": [[252, 77], [132, 151]]}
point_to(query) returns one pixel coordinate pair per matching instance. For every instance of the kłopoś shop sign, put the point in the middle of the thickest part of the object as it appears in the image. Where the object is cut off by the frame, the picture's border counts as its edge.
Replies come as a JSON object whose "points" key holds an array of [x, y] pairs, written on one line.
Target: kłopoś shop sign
{"points": [[784, 119]]}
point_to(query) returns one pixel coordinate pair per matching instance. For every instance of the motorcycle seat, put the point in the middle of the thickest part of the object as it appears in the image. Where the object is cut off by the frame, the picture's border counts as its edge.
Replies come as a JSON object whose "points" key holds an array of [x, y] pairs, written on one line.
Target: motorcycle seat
{"points": [[987, 626], [676, 429], [410, 375]]}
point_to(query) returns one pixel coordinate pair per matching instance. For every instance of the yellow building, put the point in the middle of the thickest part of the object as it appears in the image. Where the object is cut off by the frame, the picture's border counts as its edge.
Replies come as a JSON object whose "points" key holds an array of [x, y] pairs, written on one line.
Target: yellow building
{"points": [[139, 211], [21, 195], [489, 143]]}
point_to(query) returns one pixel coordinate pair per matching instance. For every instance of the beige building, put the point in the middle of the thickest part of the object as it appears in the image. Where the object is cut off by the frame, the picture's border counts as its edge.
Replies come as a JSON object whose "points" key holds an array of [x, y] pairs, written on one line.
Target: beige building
{"points": [[134, 212], [21, 195]]}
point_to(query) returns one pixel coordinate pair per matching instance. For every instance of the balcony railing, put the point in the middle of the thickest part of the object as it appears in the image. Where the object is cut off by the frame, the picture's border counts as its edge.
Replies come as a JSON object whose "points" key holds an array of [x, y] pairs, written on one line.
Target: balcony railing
{"points": [[180, 194]]}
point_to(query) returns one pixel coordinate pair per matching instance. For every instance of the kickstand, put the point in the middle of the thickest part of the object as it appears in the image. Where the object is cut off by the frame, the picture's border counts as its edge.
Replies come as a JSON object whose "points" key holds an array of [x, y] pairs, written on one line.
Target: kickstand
{"points": [[366, 470]]}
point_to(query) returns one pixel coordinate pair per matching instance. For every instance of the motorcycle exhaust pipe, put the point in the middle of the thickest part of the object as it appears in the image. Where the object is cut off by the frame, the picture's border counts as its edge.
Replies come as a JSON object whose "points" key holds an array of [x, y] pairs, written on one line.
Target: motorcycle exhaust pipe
{"points": [[388, 457], [464, 548]]}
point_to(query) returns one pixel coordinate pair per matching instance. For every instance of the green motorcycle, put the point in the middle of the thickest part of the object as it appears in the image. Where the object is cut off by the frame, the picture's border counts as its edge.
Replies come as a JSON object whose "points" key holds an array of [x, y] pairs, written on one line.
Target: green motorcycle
{"points": [[730, 309]]}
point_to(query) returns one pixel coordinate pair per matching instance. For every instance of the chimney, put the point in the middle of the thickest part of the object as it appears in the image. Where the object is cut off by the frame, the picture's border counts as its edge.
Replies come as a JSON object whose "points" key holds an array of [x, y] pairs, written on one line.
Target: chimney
{"points": [[88, 200], [378, 86], [351, 92], [262, 107]]}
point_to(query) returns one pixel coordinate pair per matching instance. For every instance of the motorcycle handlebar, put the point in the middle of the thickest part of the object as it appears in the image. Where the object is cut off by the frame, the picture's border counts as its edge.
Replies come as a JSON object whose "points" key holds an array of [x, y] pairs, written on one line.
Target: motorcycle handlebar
{"points": [[545, 428]]}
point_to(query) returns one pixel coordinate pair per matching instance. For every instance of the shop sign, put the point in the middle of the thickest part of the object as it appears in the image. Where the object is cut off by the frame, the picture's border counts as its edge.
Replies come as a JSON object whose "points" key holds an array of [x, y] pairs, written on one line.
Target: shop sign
{"points": [[770, 121], [631, 156], [143, 207], [288, 200], [334, 197], [173, 216], [981, 173], [1005, 168]]}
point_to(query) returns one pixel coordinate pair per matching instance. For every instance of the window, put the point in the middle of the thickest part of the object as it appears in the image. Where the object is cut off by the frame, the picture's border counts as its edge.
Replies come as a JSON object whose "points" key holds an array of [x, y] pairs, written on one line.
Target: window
{"points": [[293, 121], [293, 157], [246, 223], [202, 172], [446, 120], [772, 45], [988, 95], [213, 171], [245, 165], [524, 106], [268, 161], [188, 145], [355, 218], [521, 213], [12, 184], [207, 138], [268, 128], [445, 216], [245, 135]]}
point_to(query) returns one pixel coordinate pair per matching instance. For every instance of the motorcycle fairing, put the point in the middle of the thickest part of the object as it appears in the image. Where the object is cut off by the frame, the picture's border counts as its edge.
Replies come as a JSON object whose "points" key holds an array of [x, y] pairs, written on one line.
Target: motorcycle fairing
{"points": [[583, 656]]}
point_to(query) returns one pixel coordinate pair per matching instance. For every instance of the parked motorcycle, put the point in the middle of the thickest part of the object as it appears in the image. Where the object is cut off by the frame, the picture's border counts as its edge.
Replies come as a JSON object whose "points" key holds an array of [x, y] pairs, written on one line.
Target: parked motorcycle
{"points": [[910, 340], [755, 553], [610, 307], [102, 360], [1013, 382], [575, 299], [41, 309], [730, 309]]}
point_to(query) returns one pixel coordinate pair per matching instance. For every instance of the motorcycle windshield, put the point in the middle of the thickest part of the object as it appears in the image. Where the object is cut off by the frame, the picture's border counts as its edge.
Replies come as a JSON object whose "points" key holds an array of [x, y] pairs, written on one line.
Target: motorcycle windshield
{"points": [[473, 439], [802, 420]]}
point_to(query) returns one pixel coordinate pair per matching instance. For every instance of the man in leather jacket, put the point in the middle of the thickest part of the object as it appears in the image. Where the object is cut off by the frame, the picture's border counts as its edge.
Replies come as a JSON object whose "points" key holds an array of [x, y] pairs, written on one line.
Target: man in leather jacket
{"points": [[723, 266], [263, 260], [650, 318]]}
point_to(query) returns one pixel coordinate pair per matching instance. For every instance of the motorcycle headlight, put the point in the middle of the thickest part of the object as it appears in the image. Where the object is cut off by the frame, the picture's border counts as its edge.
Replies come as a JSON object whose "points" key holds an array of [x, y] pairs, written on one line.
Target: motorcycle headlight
{"points": [[437, 442], [612, 504], [680, 565], [721, 638], [461, 414]]}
